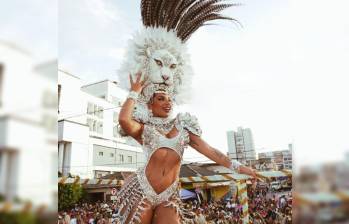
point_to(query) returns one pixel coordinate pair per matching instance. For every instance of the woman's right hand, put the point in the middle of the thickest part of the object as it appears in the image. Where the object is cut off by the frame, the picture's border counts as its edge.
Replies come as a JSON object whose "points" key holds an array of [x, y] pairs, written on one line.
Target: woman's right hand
{"points": [[139, 84]]}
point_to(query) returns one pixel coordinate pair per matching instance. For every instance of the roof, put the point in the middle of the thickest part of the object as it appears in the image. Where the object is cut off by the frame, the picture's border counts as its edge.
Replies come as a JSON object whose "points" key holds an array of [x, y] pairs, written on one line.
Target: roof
{"points": [[217, 168], [272, 173], [319, 197], [117, 175], [88, 182], [344, 194], [65, 72], [97, 82], [188, 170]]}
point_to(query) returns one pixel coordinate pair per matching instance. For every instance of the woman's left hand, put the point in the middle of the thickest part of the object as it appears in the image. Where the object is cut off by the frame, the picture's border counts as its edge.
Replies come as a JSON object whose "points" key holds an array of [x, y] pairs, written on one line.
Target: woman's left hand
{"points": [[253, 173]]}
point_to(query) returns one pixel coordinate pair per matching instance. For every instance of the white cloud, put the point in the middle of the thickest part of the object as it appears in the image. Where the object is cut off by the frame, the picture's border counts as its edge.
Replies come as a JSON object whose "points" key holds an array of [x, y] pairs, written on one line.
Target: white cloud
{"points": [[103, 11], [284, 74], [32, 25]]}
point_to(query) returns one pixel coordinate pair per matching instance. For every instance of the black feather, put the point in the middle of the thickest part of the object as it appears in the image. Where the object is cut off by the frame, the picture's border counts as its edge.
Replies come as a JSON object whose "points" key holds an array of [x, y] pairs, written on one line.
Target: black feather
{"points": [[183, 16]]}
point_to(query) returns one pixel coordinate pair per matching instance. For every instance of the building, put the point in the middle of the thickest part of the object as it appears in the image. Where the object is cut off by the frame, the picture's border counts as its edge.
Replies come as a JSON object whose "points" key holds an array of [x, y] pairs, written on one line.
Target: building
{"points": [[281, 159], [28, 127], [89, 144], [241, 145], [326, 177]]}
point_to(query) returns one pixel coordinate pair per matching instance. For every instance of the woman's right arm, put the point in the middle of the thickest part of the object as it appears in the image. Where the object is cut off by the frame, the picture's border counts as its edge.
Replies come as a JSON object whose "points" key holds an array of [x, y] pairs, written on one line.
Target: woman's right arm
{"points": [[128, 125]]}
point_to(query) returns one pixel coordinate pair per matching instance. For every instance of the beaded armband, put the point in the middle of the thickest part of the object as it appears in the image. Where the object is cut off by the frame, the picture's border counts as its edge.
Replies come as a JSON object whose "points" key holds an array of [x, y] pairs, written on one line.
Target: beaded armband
{"points": [[133, 95], [235, 165]]}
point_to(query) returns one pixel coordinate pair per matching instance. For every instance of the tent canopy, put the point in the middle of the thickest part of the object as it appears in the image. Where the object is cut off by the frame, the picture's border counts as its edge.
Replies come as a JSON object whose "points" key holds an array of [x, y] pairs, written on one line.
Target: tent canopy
{"points": [[185, 194]]}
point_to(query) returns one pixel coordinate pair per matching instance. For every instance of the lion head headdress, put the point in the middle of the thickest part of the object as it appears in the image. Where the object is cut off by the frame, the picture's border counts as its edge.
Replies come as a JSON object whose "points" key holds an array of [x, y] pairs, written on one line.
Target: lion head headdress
{"points": [[159, 50]]}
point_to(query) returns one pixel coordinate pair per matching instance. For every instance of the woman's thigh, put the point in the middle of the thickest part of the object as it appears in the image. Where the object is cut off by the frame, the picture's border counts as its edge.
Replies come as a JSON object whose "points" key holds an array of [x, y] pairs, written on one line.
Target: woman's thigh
{"points": [[166, 215], [145, 216]]}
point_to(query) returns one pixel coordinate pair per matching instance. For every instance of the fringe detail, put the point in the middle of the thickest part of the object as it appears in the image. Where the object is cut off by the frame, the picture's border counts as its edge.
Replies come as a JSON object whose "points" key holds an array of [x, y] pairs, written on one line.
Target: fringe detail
{"points": [[127, 198], [132, 196], [137, 214]]}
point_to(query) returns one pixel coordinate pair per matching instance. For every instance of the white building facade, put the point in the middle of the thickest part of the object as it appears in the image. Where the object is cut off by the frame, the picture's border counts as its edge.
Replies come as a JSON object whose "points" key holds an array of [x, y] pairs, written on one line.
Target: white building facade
{"points": [[89, 144], [241, 145], [282, 159], [28, 127]]}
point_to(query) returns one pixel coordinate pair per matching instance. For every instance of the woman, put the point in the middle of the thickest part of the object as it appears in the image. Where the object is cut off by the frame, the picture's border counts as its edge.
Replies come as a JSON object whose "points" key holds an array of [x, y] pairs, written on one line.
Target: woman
{"points": [[151, 196]]}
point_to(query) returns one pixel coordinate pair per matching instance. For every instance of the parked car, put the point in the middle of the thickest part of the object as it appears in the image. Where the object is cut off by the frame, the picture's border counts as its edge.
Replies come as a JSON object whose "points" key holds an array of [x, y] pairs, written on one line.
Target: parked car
{"points": [[275, 185]]}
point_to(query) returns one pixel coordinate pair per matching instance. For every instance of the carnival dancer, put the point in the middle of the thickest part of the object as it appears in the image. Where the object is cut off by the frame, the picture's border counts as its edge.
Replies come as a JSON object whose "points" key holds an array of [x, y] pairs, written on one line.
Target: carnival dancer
{"points": [[151, 195], [157, 72]]}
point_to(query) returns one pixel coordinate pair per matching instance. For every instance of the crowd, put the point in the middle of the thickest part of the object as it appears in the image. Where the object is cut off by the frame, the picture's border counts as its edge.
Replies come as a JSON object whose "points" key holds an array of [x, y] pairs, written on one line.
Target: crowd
{"points": [[264, 208], [89, 213]]}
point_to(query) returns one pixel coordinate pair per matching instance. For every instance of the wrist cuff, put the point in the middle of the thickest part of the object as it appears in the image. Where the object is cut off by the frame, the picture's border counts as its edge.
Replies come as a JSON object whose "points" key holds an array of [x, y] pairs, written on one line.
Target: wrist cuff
{"points": [[235, 165], [133, 95]]}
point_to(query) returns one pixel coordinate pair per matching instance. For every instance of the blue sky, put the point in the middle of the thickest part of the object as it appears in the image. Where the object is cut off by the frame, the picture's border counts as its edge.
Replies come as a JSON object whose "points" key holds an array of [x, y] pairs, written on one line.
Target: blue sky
{"points": [[284, 74]]}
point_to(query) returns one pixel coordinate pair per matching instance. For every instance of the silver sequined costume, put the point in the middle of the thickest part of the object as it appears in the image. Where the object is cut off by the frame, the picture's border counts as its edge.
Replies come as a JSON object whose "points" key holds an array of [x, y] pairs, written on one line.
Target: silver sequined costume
{"points": [[132, 196]]}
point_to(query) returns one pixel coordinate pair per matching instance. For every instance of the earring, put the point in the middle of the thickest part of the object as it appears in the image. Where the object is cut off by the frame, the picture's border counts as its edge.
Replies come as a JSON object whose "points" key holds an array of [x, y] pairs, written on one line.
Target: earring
{"points": [[150, 113]]}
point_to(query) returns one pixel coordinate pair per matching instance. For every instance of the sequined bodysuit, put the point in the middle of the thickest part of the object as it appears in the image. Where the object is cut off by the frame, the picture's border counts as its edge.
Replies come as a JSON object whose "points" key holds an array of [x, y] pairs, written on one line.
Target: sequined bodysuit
{"points": [[137, 190]]}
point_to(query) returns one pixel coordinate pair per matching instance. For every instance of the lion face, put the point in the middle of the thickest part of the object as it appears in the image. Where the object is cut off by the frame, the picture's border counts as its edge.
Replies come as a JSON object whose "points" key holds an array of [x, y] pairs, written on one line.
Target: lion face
{"points": [[162, 67], [163, 59]]}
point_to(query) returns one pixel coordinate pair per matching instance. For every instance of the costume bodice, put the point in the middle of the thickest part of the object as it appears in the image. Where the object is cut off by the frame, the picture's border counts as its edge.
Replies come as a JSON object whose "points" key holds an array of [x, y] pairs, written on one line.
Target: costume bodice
{"points": [[153, 139]]}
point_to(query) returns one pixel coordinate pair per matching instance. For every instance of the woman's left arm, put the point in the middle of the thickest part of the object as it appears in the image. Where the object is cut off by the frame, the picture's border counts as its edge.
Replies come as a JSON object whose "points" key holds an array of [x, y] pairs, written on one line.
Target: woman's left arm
{"points": [[201, 146]]}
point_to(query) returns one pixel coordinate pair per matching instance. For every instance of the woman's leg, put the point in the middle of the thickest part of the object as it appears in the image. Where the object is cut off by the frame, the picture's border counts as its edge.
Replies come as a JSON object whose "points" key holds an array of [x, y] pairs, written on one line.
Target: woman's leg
{"points": [[164, 214], [145, 216], [141, 210]]}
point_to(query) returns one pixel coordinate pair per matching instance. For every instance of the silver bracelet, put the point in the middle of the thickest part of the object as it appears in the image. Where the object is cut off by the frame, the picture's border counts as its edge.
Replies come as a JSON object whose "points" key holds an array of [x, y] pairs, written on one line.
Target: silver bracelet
{"points": [[235, 165], [133, 95]]}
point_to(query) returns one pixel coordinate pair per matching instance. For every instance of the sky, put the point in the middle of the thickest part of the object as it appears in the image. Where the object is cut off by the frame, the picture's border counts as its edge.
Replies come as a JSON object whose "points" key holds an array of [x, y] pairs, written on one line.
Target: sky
{"points": [[284, 74], [32, 26]]}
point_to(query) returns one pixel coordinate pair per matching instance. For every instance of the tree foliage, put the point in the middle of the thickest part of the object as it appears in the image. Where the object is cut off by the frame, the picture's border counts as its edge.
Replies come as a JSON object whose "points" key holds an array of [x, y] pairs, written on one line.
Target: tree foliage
{"points": [[68, 195], [17, 218]]}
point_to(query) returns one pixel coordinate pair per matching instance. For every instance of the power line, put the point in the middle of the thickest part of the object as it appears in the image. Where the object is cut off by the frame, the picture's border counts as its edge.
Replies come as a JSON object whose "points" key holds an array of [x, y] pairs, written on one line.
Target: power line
{"points": [[134, 163], [82, 114]]}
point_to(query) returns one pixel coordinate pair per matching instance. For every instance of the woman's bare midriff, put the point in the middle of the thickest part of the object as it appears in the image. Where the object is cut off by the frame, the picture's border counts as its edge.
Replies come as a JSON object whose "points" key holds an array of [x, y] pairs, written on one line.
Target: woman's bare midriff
{"points": [[162, 169]]}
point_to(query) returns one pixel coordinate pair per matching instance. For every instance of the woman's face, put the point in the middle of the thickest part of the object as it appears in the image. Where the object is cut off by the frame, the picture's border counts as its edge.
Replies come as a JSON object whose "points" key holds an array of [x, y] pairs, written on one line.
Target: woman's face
{"points": [[161, 105]]}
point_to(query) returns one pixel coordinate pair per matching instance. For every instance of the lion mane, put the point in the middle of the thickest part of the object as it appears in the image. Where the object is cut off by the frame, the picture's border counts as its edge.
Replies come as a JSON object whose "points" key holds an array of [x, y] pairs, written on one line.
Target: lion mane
{"points": [[137, 59]]}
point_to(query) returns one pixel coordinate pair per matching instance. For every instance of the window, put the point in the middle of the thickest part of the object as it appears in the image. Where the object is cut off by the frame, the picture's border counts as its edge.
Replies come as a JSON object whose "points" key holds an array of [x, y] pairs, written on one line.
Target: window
{"points": [[1, 80], [59, 95], [116, 131], [8, 168], [111, 154], [121, 158], [100, 153], [89, 108], [115, 117], [99, 112], [99, 174], [90, 123], [94, 109], [99, 127], [95, 126], [129, 159]]}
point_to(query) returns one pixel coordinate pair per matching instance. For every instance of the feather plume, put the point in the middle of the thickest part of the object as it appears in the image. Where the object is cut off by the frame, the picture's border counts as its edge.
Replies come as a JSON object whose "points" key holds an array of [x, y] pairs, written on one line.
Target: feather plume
{"points": [[179, 12], [182, 16]]}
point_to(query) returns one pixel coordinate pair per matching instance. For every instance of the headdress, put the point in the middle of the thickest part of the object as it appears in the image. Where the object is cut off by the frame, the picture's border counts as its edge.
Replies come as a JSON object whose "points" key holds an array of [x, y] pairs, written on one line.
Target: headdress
{"points": [[159, 50]]}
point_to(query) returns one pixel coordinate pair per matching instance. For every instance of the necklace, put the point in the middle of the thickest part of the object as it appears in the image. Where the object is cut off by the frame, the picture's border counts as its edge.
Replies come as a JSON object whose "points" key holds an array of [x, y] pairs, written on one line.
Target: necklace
{"points": [[162, 124], [143, 115]]}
